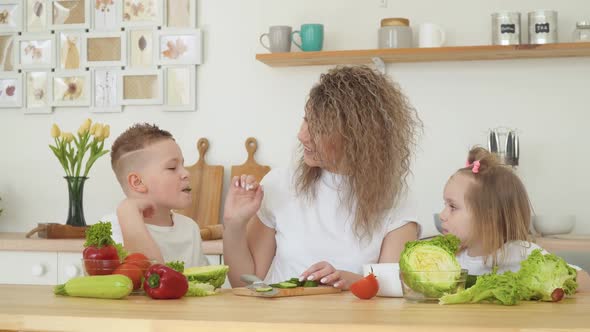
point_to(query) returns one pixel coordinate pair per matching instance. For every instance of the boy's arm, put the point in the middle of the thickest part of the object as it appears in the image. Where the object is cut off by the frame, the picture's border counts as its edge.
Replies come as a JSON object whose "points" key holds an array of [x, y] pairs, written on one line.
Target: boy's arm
{"points": [[136, 237]]}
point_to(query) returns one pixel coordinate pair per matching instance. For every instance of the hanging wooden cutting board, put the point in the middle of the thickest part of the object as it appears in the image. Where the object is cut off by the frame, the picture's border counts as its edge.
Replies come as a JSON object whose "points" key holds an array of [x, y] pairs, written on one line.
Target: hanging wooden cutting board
{"points": [[285, 292], [206, 183], [250, 167]]}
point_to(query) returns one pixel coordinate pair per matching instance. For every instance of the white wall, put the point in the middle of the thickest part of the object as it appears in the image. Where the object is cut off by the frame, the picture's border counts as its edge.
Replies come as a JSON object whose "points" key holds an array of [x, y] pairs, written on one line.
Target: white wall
{"points": [[240, 97]]}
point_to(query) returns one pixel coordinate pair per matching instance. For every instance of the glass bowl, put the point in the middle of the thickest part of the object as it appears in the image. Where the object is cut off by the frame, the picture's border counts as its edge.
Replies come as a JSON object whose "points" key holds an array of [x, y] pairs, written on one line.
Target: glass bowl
{"points": [[135, 269], [427, 286]]}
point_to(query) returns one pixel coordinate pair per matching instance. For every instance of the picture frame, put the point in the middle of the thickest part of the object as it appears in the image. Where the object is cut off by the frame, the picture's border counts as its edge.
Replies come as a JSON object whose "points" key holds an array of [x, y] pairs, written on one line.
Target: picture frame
{"points": [[135, 13], [105, 48], [180, 88], [141, 87], [106, 15], [179, 47], [71, 88], [36, 51], [11, 90], [105, 91], [141, 48], [11, 15], [71, 47], [8, 45], [37, 15], [69, 14], [39, 92], [180, 14]]}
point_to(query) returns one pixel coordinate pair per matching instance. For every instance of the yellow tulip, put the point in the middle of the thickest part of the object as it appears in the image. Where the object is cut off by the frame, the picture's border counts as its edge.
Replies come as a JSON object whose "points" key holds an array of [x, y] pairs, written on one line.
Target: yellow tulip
{"points": [[93, 128], [68, 137], [55, 132], [99, 132], [85, 127], [106, 131]]}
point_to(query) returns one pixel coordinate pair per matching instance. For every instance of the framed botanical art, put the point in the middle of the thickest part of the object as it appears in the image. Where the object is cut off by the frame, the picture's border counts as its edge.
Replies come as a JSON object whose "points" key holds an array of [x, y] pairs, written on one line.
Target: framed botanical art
{"points": [[7, 52], [11, 15], [36, 51], [70, 50], [70, 14], [181, 13], [141, 87], [106, 49], [11, 90], [180, 88], [180, 46], [71, 88], [142, 12], [140, 47], [105, 90], [106, 15], [37, 15], [38, 92]]}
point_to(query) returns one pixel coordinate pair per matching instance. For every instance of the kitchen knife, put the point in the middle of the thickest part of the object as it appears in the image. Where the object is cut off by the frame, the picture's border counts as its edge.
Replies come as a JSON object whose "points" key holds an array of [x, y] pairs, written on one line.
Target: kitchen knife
{"points": [[255, 283], [516, 150], [509, 150]]}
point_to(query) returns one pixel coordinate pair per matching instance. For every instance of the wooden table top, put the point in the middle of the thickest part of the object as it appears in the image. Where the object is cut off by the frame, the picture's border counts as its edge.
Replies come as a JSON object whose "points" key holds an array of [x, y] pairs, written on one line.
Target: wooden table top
{"points": [[36, 308]]}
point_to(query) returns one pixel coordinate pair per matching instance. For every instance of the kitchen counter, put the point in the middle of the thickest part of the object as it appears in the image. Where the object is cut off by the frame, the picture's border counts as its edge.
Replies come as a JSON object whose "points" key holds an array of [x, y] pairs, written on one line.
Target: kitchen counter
{"points": [[36, 308], [18, 242]]}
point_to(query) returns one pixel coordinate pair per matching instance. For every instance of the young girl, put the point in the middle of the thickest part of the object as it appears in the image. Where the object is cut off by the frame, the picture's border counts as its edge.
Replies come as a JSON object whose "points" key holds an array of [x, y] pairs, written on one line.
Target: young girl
{"points": [[488, 209]]}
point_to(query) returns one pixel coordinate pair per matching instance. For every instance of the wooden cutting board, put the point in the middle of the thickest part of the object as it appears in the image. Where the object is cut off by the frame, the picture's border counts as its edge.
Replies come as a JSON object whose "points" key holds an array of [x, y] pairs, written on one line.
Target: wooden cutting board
{"points": [[285, 292], [207, 184], [250, 167]]}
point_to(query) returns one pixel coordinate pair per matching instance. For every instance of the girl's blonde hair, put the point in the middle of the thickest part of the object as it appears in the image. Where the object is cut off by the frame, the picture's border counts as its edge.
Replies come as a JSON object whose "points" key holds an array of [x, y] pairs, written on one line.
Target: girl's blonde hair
{"points": [[366, 117], [498, 203]]}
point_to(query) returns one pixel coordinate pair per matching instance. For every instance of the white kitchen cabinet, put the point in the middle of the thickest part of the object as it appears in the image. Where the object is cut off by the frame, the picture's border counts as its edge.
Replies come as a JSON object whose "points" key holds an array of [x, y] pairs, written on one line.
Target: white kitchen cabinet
{"points": [[69, 265], [213, 259], [28, 267]]}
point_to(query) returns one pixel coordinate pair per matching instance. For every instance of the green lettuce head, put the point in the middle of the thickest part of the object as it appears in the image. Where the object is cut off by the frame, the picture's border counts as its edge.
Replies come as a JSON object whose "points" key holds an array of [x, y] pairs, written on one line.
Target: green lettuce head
{"points": [[211, 274], [430, 267]]}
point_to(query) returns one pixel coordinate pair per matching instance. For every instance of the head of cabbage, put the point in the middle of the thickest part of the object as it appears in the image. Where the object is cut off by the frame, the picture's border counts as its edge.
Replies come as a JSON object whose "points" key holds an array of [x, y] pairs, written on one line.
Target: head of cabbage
{"points": [[430, 266]]}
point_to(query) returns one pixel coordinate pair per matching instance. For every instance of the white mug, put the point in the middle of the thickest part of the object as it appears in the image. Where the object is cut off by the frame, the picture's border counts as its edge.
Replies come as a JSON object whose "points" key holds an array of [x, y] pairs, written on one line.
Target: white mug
{"points": [[387, 275], [431, 35]]}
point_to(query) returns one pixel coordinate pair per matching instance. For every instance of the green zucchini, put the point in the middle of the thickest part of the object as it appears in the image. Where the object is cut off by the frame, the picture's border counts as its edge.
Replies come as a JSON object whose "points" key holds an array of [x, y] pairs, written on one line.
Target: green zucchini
{"points": [[113, 286]]}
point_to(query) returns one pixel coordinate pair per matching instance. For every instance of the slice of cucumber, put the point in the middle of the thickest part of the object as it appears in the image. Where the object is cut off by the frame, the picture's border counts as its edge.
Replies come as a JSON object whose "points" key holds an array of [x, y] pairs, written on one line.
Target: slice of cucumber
{"points": [[263, 289]]}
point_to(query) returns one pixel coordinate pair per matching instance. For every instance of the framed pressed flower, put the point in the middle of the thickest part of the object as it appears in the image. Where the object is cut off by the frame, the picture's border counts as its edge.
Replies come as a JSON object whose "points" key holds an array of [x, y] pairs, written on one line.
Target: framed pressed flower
{"points": [[180, 88], [70, 50], [106, 49], [141, 12], [181, 13], [106, 15], [141, 87], [140, 47], [37, 15], [71, 88], [7, 52], [36, 51], [38, 92], [70, 14], [11, 15], [11, 90], [105, 90], [180, 46]]}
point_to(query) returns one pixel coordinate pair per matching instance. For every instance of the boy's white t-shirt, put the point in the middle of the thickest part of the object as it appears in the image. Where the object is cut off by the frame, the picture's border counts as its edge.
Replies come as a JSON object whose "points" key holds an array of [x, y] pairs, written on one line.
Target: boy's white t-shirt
{"points": [[514, 253], [308, 232], [179, 242]]}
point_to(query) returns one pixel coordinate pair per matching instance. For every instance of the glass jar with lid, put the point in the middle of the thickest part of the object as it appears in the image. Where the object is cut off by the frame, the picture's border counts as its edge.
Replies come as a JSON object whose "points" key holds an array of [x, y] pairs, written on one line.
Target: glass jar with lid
{"points": [[582, 32], [395, 33]]}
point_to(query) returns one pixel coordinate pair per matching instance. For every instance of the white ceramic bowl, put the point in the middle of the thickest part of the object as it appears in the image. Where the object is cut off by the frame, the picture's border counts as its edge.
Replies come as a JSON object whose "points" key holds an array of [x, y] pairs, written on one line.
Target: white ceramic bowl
{"points": [[554, 224], [387, 275]]}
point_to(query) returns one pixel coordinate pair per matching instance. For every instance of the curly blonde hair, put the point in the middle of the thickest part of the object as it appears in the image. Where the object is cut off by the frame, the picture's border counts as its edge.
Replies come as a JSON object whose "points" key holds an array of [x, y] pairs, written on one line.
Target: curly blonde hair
{"points": [[376, 128]]}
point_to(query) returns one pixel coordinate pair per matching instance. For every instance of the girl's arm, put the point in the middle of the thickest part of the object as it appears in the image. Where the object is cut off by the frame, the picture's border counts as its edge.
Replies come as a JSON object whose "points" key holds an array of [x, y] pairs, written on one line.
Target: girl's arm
{"points": [[394, 242], [583, 281]]}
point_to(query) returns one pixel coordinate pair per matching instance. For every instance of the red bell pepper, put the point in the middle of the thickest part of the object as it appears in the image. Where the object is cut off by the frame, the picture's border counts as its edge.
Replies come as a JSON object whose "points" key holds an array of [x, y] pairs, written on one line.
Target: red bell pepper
{"points": [[100, 255], [162, 282]]}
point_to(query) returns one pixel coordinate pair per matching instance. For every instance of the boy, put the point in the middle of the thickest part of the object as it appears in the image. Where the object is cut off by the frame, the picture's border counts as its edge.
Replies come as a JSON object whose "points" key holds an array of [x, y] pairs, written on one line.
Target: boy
{"points": [[149, 166]]}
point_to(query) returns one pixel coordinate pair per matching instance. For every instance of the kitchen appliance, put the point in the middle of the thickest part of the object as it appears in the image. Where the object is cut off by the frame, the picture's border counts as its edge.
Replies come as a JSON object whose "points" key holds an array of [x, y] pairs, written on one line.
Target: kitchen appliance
{"points": [[505, 143]]}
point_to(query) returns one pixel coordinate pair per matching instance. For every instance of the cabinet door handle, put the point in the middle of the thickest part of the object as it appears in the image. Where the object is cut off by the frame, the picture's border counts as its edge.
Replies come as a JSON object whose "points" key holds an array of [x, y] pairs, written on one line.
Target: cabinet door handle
{"points": [[38, 270], [72, 271]]}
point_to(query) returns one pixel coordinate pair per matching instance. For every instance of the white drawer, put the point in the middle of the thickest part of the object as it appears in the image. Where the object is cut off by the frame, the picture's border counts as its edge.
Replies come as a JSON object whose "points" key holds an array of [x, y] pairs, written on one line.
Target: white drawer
{"points": [[28, 268], [69, 265]]}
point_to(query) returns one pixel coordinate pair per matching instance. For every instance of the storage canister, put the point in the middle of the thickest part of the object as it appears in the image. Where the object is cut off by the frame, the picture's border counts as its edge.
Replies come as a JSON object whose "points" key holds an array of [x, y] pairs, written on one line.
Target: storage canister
{"points": [[395, 33], [506, 28], [543, 27], [582, 32]]}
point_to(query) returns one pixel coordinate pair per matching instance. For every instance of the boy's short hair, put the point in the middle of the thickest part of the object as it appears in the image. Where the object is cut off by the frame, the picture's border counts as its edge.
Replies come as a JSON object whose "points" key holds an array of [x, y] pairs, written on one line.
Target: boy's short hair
{"points": [[136, 137]]}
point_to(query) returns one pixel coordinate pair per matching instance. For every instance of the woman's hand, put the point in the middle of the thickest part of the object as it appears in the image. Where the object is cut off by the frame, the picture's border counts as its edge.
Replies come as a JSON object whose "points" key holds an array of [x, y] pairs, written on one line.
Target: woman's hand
{"points": [[243, 201], [326, 274]]}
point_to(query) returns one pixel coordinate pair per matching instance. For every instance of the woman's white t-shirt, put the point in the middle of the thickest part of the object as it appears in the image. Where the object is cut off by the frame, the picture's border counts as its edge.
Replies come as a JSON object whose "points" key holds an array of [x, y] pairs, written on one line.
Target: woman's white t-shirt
{"points": [[508, 260], [179, 242], [310, 231]]}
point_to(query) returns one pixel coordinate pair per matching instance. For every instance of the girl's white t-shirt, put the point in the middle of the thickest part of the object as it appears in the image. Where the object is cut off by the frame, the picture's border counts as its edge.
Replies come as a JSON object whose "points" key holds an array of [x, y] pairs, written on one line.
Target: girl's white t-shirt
{"points": [[310, 231], [179, 242], [514, 252]]}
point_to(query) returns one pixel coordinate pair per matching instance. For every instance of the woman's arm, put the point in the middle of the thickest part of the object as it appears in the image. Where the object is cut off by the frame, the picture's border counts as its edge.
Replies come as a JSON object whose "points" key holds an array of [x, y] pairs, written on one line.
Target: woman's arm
{"points": [[394, 242], [583, 281]]}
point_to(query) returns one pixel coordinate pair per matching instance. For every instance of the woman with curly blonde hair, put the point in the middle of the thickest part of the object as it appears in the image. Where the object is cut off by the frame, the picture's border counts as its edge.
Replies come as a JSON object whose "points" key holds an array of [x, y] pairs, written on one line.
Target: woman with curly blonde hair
{"points": [[344, 204]]}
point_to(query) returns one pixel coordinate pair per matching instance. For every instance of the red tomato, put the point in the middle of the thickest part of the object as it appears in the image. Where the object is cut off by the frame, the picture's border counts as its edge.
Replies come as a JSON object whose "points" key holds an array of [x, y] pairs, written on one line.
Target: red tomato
{"points": [[139, 260], [366, 287], [132, 271]]}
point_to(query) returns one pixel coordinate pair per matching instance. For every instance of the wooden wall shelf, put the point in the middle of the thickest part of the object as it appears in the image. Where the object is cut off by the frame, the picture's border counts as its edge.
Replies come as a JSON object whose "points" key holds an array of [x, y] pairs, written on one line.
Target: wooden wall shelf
{"points": [[399, 55]]}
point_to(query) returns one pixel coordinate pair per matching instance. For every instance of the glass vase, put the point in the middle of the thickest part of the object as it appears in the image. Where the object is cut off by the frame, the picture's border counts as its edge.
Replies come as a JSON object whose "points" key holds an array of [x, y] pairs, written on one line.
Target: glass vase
{"points": [[76, 198]]}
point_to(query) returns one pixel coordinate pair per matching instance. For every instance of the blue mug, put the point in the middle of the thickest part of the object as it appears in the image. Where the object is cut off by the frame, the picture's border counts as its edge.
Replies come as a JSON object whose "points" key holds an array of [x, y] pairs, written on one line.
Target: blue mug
{"points": [[312, 37]]}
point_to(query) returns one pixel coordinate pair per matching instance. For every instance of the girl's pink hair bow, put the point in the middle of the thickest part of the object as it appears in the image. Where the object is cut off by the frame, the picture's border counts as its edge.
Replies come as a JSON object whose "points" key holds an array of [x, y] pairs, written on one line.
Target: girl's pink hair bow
{"points": [[474, 166]]}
